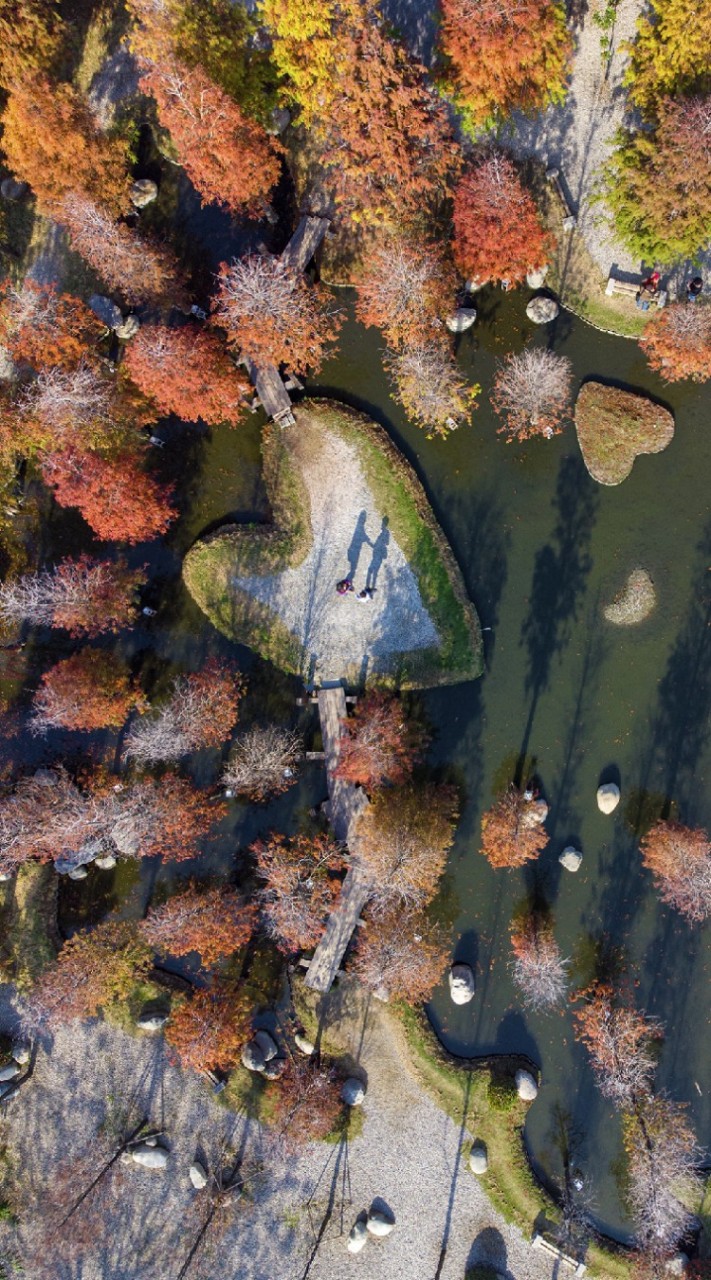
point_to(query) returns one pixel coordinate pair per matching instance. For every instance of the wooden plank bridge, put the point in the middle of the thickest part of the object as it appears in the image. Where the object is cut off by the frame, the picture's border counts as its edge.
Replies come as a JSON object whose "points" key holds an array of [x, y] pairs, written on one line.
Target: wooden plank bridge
{"points": [[346, 803]]}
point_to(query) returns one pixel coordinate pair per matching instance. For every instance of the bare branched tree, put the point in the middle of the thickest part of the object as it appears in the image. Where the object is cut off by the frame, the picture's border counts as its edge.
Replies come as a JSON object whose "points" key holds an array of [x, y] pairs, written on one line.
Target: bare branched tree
{"points": [[538, 968], [85, 596], [405, 290], [430, 387], [663, 1158], [618, 1040], [62, 400], [200, 712], [532, 393], [263, 762]]}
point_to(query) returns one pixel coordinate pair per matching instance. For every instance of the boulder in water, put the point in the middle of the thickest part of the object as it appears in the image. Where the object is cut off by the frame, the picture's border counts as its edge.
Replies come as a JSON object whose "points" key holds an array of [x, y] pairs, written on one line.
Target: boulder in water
{"points": [[106, 861], [571, 858], [78, 873], [143, 191], [526, 1087], [608, 797], [463, 319], [462, 984], [128, 328], [542, 310]]}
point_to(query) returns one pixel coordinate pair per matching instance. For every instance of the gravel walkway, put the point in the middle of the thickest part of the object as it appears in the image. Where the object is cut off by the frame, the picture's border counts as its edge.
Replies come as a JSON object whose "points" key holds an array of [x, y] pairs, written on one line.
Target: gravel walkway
{"points": [[351, 537], [295, 1225]]}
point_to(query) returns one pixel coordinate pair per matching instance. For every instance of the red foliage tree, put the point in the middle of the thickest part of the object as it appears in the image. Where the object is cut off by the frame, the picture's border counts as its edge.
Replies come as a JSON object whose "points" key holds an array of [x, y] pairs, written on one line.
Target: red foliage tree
{"points": [[498, 233], [85, 597], [405, 289], [400, 956], [44, 327], [208, 1030], [229, 159], [618, 1040], [505, 55], [132, 266], [677, 341], [273, 315], [200, 713], [306, 1102], [116, 497], [379, 743], [50, 140], [532, 393], [159, 817], [90, 690], [538, 967], [187, 371], [679, 858], [95, 968], [301, 885], [46, 817], [402, 840], [511, 832], [215, 923]]}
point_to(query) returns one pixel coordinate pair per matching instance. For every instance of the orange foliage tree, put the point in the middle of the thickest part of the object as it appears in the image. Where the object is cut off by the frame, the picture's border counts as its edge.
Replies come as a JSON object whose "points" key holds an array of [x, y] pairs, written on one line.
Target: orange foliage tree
{"points": [[187, 371], [306, 1102], [132, 266], [538, 967], [677, 341], [90, 690], [379, 743], [400, 956], [618, 1040], [215, 923], [83, 596], [679, 858], [402, 839], [164, 817], [510, 831], [405, 290], [498, 233], [116, 497], [95, 968], [532, 393], [209, 1029], [274, 315], [200, 712], [44, 327], [50, 140], [228, 158], [29, 38], [301, 884], [505, 55], [46, 817]]}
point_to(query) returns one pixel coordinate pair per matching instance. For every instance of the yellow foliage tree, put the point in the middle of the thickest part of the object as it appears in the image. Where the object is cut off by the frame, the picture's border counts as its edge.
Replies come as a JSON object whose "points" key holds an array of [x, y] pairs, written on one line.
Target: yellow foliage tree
{"points": [[670, 55], [306, 49]]}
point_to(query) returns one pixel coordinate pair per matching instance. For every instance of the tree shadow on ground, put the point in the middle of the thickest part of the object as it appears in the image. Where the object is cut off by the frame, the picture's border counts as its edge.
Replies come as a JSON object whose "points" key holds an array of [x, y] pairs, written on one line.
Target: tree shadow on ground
{"points": [[489, 1250]]}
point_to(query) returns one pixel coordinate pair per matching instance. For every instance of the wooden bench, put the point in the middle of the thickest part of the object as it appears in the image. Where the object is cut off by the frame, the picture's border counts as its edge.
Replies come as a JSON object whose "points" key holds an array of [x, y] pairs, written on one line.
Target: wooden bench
{"points": [[569, 219], [540, 1242], [630, 289]]}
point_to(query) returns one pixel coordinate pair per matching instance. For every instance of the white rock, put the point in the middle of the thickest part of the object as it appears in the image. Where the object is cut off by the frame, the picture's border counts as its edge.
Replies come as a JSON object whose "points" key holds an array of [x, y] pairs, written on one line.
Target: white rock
{"points": [[474, 285], [197, 1175], [266, 1043], [9, 1072], [21, 1053], [105, 862], [252, 1057], [536, 279], [462, 984], [78, 873], [542, 310], [478, 1159], [353, 1092], [151, 1142], [5, 876], [128, 328], [526, 1087], [463, 319], [608, 797], [570, 858], [534, 814], [677, 1265], [149, 1157], [303, 1045], [379, 1224], [151, 1021], [358, 1237], [143, 191]]}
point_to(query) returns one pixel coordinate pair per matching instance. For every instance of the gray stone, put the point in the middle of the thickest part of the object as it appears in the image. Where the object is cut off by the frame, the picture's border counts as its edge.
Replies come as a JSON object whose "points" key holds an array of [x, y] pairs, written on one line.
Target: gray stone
{"points": [[462, 984], [526, 1087], [197, 1175], [106, 861], [570, 858], [353, 1092], [358, 1237], [9, 1071], [379, 1224], [143, 191], [78, 873], [11, 189], [478, 1158], [534, 814], [151, 1021], [542, 310], [128, 328], [21, 1053], [5, 876], [274, 1069], [536, 279], [106, 311], [474, 285], [608, 797], [303, 1045], [252, 1057], [8, 368], [281, 119], [149, 1157], [463, 319], [267, 1044]]}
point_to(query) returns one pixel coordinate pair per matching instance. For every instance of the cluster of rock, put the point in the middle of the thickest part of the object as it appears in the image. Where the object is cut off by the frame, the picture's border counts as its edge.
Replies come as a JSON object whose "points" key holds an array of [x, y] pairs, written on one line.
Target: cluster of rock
{"points": [[377, 1222], [21, 1055], [261, 1055], [105, 310], [149, 1155]]}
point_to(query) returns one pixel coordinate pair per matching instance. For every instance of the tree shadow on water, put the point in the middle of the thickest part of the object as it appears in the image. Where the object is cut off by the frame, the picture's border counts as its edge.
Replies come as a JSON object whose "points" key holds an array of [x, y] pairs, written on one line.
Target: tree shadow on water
{"points": [[559, 578]]}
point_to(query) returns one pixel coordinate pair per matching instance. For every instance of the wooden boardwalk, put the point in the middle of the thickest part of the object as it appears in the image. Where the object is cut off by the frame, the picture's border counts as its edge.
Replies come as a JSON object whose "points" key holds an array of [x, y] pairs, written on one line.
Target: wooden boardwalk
{"points": [[345, 805]]}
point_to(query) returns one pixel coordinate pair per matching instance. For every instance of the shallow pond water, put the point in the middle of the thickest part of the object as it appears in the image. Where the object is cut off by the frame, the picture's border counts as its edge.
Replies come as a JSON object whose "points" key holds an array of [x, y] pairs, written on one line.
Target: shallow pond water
{"points": [[542, 548]]}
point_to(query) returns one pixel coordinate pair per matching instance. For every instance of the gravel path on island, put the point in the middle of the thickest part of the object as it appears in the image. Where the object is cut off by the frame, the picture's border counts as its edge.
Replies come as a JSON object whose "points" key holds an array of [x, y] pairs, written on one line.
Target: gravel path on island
{"points": [[351, 538], [294, 1223]]}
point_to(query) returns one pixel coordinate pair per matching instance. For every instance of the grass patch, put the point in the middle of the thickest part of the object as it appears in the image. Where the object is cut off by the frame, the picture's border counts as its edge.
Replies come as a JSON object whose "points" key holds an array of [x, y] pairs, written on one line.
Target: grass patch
{"points": [[615, 426], [32, 935], [211, 565], [348, 1126], [123, 1013]]}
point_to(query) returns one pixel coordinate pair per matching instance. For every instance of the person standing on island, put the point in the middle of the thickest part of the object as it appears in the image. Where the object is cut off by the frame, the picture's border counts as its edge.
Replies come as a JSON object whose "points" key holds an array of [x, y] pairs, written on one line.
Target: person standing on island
{"points": [[344, 586], [694, 288]]}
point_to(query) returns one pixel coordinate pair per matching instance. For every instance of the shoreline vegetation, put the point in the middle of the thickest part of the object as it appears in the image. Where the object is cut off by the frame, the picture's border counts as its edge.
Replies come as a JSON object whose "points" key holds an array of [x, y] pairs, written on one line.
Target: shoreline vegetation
{"points": [[285, 541]]}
